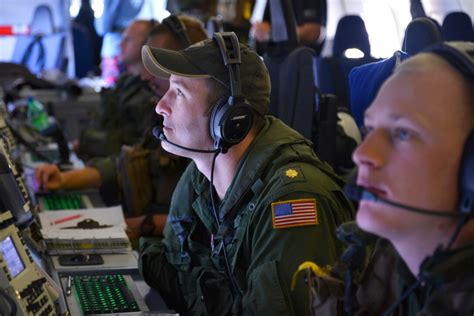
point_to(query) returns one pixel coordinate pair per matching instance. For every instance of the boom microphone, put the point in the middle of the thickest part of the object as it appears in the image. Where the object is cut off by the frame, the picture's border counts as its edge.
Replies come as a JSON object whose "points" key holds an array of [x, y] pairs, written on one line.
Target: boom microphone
{"points": [[158, 133], [358, 193]]}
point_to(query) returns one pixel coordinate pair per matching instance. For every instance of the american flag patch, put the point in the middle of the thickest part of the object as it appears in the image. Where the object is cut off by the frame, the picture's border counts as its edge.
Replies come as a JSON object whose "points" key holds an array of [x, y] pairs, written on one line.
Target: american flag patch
{"points": [[294, 213]]}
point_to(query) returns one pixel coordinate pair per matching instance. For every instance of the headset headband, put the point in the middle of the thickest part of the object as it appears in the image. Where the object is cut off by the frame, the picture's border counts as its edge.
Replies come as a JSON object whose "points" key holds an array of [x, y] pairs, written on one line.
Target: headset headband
{"points": [[460, 55], [178, 28], [230, 50]]}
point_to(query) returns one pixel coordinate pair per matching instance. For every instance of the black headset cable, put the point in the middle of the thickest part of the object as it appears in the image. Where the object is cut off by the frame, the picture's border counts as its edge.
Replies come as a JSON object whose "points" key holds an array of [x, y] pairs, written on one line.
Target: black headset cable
{"points": [[462, 221], [233, 282]]}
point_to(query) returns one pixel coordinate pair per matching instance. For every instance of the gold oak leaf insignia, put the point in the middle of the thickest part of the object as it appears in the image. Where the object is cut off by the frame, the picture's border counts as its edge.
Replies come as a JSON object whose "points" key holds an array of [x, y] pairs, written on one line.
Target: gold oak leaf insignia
{"points": [[291, 173]]}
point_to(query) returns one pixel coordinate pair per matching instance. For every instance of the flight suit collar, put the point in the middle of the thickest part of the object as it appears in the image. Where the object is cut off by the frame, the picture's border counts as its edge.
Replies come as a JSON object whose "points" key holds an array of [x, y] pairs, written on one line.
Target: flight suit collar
{"points": [[445, 266], [440, 269]]}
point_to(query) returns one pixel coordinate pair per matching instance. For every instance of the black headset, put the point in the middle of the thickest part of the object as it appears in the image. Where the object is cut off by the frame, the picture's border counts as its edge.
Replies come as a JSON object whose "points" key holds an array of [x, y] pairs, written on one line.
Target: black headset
{"points": [[177, 27], [460, 55], [232, 116]]}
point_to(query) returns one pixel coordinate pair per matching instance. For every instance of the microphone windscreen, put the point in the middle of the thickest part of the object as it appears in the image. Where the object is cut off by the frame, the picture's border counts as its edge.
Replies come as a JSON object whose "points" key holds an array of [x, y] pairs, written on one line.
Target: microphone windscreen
{"points": [[354, 192], [158, 133]]}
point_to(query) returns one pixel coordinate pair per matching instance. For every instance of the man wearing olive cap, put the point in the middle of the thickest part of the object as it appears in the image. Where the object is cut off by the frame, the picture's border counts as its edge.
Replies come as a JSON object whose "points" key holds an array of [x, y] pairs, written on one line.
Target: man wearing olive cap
{"points": [[249, 208]]}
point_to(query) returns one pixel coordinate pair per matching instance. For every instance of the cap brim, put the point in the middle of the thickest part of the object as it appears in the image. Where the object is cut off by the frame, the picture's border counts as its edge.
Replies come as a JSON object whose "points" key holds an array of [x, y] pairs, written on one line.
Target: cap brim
{"points": [[163, 63]]}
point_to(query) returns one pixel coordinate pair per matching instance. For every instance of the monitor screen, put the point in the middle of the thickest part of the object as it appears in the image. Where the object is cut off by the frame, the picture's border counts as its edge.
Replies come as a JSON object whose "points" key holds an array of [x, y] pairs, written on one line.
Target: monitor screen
{"points": [[11, 256], [13, 193]]}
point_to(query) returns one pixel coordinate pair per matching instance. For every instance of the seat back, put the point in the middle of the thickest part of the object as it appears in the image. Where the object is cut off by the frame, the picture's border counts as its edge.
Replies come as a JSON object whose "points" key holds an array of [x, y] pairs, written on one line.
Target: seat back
{"points": [[365, 82], [42, 21], [420, 33], [457, 26], [293, 89], [40, 53], [43, 49], [83, 51], [291, 69], [350, 33], [333, 72]]}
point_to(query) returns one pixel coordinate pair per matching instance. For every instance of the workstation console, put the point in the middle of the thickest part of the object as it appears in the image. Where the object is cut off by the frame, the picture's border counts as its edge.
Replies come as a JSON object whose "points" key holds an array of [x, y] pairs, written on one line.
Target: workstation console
{"points": [[35, 281]]}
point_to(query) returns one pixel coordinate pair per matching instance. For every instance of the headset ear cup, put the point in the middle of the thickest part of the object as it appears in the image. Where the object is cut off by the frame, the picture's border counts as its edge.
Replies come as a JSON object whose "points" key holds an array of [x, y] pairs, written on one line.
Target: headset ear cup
{"points": [[236, 123], [466, 177], [217, 112], [232, 118], [229, 124]]}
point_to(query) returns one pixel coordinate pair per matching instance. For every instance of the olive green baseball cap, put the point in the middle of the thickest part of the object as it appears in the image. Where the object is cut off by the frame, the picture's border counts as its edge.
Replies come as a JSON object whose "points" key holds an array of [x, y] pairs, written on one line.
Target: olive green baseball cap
{"points": [[204, 60]]}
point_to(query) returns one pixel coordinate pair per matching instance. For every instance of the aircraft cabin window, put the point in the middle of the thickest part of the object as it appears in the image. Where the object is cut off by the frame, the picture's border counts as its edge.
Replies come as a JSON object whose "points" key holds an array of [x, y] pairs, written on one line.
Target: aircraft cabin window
{"points": [[151, 9], [97, 6], [385, 21], [439, 9]]}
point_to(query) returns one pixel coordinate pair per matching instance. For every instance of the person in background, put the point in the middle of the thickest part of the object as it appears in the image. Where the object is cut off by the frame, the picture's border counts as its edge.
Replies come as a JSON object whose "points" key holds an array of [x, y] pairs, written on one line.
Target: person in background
{"points": [[200, 9], [124, 107], [152, 167], [117, 15], [252, 200], [310, 18], [416, 190], [235, 17]]}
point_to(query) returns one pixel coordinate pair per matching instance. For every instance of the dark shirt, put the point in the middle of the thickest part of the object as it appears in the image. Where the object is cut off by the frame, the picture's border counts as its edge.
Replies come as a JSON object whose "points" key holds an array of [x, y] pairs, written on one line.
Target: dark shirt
{"points": [[445, 288]]}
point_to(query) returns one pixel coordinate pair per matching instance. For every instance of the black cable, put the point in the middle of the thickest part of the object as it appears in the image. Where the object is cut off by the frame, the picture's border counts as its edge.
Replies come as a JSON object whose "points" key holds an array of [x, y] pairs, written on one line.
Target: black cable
{"points": [[213, 205], [228, 270], [358, 193], [390, 310], [462, 221], [10, 301]]}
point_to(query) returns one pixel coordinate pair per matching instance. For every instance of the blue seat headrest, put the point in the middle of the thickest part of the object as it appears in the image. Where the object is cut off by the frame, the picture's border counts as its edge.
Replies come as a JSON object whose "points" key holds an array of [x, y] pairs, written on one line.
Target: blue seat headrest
{"points": [[420, 33], [457, 26], [42, 22], [365, 82], [351, 33]]}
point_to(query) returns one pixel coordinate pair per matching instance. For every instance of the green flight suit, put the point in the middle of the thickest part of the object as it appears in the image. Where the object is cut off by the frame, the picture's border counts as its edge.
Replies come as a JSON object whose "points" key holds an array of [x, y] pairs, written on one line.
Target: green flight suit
{"points": [[189, 273], [447, 287], [125, 109]]}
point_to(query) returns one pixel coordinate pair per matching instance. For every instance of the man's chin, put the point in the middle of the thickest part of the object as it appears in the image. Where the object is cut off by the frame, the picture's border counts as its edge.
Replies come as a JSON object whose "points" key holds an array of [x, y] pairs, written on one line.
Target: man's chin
{"points": [[172, 149], [370, 222], [168, 147]]}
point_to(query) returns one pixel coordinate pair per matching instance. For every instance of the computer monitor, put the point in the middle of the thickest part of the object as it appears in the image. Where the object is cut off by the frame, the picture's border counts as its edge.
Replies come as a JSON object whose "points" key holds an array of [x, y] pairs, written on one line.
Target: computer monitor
{"points": [[24, 286], [11, 257], [14, 196]]}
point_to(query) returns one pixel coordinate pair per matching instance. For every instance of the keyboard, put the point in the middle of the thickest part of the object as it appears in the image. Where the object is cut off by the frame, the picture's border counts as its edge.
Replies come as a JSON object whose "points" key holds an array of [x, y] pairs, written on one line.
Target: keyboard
{"points": [[103, 294], [52, 155], [67, 201]]}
